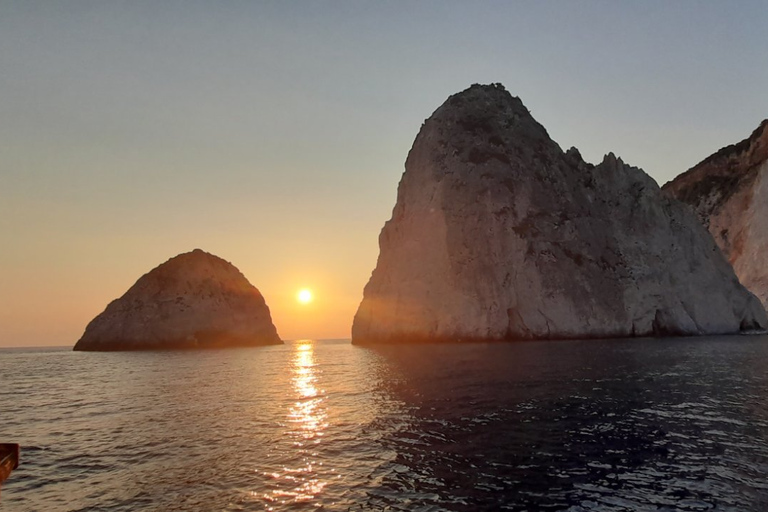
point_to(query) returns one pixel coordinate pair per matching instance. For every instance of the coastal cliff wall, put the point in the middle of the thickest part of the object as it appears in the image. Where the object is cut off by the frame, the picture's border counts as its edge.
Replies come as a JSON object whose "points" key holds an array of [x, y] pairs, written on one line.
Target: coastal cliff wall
{"points": [[729, 192]]}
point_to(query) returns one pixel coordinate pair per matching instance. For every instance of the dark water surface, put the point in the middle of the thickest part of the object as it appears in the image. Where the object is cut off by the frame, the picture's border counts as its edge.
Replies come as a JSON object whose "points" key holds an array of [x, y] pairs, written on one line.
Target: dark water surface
{"points": [[593, 425]]}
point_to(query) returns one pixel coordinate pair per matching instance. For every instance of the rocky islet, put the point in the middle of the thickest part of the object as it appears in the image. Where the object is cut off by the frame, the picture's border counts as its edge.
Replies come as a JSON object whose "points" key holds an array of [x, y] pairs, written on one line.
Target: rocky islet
{"points": [[194, 300], [499, 234]]}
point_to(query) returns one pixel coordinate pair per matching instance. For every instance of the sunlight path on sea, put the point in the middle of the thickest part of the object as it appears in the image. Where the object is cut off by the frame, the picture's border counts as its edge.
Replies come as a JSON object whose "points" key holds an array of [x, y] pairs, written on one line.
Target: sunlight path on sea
{"points": [[305, 423], [321, 446]]}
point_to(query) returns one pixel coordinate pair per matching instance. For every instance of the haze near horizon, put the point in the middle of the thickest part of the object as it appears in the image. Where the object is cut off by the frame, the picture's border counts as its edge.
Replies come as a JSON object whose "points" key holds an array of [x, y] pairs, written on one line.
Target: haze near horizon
{"points": [[274, 135]]}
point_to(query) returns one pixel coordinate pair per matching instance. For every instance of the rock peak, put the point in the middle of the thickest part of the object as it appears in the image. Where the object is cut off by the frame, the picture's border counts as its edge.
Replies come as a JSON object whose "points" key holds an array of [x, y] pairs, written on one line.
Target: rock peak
{"points": [[750, 151], [494, 91], [196, 253], [484, 123], [489, 101]]}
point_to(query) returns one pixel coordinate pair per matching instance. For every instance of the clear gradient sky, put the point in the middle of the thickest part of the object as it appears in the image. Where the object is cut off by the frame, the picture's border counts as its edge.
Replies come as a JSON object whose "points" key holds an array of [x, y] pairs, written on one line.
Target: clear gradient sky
{"points": [[273, 134]]}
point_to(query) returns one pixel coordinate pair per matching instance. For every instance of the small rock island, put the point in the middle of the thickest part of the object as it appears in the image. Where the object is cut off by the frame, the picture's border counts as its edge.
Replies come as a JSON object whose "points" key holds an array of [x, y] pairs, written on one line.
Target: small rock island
{"points": [[194, 300], [498, 234], [729, 192]]}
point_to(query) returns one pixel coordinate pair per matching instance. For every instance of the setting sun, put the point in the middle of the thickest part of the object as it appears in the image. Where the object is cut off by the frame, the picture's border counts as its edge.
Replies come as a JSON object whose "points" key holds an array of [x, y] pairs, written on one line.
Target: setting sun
{"points": [[304, 296]]}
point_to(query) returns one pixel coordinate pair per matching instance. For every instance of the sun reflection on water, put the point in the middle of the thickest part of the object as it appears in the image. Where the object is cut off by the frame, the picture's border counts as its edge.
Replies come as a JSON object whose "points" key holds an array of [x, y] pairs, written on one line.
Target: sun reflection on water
{"points": [[306, 421]]}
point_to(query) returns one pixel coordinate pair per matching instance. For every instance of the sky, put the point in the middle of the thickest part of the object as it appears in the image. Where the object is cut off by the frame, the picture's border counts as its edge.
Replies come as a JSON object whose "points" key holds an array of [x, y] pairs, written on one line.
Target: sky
{"points": [[273, 134]]}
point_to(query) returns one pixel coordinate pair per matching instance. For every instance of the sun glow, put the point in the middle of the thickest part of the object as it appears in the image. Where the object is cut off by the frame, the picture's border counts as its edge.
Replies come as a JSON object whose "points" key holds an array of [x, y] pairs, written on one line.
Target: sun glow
{"points": [[304, 296]]}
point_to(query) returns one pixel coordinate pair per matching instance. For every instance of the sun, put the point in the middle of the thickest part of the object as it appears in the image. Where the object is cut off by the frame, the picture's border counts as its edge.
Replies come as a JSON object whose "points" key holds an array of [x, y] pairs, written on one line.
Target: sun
{"points": [[304, 296]]}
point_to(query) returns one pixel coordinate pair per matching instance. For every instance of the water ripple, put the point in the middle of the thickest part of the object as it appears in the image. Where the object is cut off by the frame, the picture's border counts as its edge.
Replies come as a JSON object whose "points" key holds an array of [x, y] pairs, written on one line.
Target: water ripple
{"points": [[576, 426]]}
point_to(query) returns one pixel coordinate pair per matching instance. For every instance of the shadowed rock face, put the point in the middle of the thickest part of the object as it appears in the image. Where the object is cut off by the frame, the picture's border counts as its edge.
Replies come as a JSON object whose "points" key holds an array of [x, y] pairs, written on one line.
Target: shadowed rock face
{"points": [[194, 300], [729, 193], [499, 234]]}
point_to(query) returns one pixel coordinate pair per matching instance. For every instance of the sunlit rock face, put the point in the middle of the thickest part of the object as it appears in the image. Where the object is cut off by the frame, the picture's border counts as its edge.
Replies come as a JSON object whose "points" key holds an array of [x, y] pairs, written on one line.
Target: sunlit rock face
{"points": [[729, 192], [499, 234], [194, 300]]}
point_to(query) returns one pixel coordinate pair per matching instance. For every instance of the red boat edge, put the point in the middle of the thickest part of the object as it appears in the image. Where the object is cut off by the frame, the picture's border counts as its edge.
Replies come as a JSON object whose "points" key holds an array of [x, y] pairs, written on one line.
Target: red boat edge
{"points": [[9, 459]]}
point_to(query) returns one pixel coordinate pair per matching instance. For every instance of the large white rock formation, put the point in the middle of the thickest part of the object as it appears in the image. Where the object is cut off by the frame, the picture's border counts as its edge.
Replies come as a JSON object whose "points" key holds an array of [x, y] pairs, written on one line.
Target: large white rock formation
{"points": [[194, 300], [499, 234], [729, 192]]}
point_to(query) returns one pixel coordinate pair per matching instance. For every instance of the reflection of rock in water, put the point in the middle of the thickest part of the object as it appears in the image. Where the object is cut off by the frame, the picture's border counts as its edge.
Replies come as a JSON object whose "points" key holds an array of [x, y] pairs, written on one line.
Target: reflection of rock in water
{"points": [[729, 192], [499, 234], [194, 300], [641, 426]]}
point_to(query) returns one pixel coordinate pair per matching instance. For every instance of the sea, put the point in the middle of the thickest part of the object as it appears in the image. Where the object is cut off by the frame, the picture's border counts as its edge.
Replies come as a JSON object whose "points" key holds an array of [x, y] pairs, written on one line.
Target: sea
{"points": [[610, 425]]}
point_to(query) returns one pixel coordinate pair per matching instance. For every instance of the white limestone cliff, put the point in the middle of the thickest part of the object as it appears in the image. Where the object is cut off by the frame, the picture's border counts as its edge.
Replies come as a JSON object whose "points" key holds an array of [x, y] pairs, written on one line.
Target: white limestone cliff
{"points": [[729, 192], [194, 300], [499, 234]]}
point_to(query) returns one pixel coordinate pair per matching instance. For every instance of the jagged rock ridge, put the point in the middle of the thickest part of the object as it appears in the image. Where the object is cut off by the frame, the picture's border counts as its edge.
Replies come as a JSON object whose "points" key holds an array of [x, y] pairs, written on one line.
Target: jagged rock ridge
{"points": [[194, 300], [499, 234], [729, 192]]}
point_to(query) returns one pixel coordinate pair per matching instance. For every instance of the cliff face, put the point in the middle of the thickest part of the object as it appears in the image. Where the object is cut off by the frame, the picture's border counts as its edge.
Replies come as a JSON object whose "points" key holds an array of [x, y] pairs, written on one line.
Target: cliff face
{"points": [[499, 234], [194, 300], [729, 193]]}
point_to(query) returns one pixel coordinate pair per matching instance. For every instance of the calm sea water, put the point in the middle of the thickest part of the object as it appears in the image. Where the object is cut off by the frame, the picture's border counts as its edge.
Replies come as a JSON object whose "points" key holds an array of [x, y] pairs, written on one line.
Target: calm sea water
{"points": [[597, 425]]}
